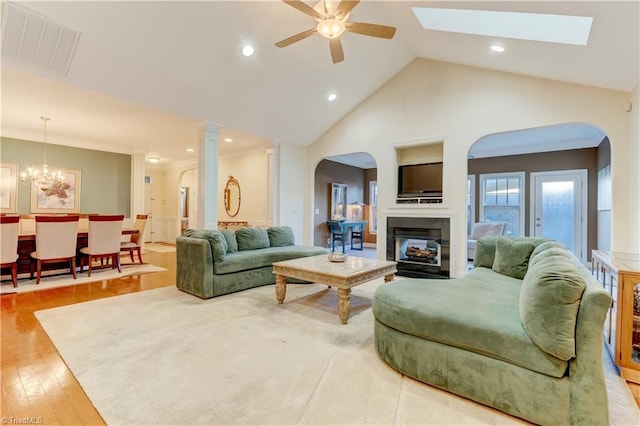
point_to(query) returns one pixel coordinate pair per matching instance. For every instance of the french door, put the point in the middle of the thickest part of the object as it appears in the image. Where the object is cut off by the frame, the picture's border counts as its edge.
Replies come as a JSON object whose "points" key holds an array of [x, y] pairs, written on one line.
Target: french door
{"points": [[559, 208]]}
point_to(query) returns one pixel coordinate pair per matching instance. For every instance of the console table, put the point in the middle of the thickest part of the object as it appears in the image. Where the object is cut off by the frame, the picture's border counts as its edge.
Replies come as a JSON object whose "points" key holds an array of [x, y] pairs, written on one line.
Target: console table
{"points": [[619, 273]]}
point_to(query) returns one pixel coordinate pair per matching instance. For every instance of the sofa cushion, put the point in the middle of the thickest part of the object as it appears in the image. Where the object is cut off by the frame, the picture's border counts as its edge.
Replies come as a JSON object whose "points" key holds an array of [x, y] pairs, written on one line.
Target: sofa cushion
{"points": [[280, 236], [485, 252], [230, 236], [551, 252], [252, 238], [245, 260], [486, 248], [478, 313], [215, 238], [512, 257], [549, 301]]}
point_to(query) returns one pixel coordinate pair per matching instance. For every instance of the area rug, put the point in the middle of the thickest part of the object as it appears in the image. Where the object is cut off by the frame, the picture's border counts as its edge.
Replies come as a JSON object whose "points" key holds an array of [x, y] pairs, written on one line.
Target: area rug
{"points": [[165, 357], [159, 248], [55, 280]]}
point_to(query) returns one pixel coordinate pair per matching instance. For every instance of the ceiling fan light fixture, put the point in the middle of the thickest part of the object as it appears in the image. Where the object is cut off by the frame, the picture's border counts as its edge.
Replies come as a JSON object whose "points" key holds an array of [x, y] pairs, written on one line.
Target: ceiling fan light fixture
{"points": [[330, 28]]}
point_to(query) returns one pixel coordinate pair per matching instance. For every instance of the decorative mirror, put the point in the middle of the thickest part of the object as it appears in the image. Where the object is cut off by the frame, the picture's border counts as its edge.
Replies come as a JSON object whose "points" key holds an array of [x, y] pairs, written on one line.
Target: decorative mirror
{"points": [[232, 197], [338, 201]]}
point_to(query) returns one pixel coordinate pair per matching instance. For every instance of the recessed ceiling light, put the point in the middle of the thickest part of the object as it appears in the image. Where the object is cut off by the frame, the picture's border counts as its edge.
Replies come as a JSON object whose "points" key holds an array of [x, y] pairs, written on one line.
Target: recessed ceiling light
{"points": [[190, 150], [565, 29], [153, 159], [247, 50], [332, 97], [228, 140], [497, 48]]}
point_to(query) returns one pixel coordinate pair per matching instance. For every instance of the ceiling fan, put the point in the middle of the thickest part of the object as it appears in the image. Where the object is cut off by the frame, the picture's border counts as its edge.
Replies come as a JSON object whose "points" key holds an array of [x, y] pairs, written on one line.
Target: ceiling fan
{"points": [[332, 17]]}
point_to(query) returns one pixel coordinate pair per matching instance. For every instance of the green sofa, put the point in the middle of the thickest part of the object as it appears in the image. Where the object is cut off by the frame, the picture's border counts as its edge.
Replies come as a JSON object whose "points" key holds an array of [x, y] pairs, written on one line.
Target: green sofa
{"points": [[522, 332], [211, 263]]}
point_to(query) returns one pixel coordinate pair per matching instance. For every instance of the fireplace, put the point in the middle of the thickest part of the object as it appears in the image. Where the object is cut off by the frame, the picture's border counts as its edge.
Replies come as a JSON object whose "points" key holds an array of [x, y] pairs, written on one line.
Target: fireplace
{"points": [[420, 245]]}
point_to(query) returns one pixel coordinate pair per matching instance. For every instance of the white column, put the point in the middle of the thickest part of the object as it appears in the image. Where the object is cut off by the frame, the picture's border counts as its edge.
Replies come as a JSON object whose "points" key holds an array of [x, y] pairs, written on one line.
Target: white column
{"points": [[273, 184], [137, 184], [208, 176]]}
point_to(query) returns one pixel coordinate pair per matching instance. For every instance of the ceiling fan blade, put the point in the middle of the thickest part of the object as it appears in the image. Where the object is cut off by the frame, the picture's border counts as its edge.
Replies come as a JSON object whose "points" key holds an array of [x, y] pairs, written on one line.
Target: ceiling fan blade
{"points": [[373, 30], [304, 8], [337, 54], [294, 38], [345, 7]]}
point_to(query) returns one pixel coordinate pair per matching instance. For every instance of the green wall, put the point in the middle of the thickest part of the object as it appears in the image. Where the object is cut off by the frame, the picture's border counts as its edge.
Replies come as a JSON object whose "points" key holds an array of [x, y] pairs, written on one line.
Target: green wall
{"points": [[105, 178]]}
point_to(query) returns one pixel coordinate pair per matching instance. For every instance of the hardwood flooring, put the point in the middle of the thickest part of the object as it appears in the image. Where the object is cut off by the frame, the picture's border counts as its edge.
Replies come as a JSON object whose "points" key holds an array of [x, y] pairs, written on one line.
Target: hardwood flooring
{"points": [[37, 386]]}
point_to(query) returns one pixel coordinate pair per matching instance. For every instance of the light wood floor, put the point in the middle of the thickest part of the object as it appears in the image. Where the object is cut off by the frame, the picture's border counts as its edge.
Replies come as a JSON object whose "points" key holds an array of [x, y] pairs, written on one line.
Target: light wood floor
{"points": [[36, 383]]}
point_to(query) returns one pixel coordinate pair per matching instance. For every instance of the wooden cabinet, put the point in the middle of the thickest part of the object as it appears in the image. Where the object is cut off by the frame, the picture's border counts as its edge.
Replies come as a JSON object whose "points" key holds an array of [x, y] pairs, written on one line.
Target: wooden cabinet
{"points": [[619, 273]]}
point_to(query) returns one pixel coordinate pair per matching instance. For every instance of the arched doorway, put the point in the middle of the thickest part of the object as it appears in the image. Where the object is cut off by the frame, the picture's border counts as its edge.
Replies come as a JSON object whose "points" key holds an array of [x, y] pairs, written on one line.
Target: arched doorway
{"points": [[358, 173], [542, 182]]}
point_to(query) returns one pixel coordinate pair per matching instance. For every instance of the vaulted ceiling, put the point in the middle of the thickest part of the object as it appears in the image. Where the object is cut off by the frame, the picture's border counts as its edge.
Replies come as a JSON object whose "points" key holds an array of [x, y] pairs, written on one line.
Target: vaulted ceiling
{"points": [[146, 74]]}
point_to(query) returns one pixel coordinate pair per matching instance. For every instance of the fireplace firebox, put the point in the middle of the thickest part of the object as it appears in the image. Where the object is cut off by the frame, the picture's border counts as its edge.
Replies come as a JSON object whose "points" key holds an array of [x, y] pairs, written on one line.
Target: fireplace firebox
{"points": [[420, 245]]}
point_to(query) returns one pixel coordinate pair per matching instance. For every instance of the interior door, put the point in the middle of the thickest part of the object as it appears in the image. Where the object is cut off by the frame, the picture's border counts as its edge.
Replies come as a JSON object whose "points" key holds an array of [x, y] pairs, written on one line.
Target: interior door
{"points": [[559, 208]]}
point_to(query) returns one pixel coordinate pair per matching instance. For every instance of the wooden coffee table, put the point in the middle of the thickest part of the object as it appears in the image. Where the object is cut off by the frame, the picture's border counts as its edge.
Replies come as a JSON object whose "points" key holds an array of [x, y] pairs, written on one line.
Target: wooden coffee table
{"points": [[342, 275]]}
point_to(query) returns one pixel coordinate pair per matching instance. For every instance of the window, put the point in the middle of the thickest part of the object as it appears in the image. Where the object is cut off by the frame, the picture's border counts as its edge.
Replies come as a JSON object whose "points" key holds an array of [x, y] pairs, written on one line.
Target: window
{"points": [[503, 199], [373, 206], [471, 202]]}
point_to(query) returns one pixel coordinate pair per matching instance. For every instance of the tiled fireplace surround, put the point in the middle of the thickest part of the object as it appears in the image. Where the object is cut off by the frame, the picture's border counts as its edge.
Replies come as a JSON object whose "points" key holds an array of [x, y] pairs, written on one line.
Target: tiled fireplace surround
{"points": [[420, 245]]}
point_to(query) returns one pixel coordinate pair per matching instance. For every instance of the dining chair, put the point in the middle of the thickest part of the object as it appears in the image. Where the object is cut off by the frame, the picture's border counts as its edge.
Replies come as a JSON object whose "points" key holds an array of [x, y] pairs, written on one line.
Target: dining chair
{"points": [[338, 234], [56, 240], [27, 224], [9, 229], [356, 234], [105, 233], [135, 244]]}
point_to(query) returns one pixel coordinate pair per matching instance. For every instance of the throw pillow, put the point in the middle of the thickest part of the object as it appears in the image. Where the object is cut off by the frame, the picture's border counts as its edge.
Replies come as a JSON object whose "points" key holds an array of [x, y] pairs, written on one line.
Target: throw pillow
{"points": [[549, 249], [549, 301], [512, 257], [281, 236], [230, 236], [216, 241], [252, 238], [485, 252]]}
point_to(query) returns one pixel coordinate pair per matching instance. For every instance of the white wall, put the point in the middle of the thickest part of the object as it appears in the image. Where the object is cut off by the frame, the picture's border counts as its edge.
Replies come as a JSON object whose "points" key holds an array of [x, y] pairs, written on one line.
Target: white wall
{"points": [[250, 170], [293, 194], [430, 100]]}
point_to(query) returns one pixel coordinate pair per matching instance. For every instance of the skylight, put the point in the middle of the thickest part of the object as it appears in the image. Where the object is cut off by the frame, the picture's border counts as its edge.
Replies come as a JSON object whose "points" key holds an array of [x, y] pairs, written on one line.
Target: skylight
{"points": [[526, 26]]}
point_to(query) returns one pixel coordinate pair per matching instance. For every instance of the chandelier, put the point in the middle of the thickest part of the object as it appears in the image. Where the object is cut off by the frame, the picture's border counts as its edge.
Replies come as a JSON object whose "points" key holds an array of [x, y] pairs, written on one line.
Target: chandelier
{"points": [[41, 177]]}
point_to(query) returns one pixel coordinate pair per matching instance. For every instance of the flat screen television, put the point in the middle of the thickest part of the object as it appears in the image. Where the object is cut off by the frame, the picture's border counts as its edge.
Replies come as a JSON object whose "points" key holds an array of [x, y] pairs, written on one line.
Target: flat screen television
{"points": [[420, 180]]}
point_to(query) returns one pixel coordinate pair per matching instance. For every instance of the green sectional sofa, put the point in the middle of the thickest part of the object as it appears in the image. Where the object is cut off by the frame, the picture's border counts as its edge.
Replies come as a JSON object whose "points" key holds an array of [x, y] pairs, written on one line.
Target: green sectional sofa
{"points": [[211, 263], [522, 332]]}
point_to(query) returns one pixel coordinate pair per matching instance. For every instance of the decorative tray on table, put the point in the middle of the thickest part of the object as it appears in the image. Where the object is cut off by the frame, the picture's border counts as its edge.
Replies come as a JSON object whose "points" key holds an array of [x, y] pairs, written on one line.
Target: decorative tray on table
{"points": [[337, 257]]}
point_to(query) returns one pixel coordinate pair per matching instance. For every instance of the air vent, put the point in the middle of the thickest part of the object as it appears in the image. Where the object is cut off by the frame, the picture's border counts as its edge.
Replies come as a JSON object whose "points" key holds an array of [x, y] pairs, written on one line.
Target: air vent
{"points": [[34, 39]]}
